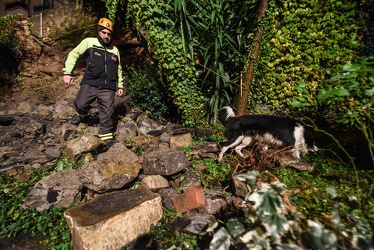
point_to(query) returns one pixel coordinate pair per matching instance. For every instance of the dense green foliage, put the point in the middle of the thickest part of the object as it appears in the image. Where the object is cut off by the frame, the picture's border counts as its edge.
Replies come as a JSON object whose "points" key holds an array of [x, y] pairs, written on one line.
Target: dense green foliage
{"points": [[314, 201], [275, 224], [366, 28], [10, 53], [8, 38], [303, 40], [199, 49], [215, 35], [147, 93], [348, 98], [212, 40], [176, 70], [47, 229]]}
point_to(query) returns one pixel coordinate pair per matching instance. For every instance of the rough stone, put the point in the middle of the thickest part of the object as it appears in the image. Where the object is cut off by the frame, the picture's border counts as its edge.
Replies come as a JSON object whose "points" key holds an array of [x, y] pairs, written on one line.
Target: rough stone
{"points": [[107, 175], [297, 163], [24, 108], [215, 201], [84, 144], [58, 189], [178, 141], [164, 162], [146, 141], [206, 147], [146, 124], [155, 182], [189, 181], [203, 132], [119, 153], [114, 220], [126, 131], [167, 196], [193, 224], [239, 188]]}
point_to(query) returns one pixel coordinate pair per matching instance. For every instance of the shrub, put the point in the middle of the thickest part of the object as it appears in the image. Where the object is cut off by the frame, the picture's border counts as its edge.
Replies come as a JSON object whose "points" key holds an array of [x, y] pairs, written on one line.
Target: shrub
{"points": [[147, 92]]}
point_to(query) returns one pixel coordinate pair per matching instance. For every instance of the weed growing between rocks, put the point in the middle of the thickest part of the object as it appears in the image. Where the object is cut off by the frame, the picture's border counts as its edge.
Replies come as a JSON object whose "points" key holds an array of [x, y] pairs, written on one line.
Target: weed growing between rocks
{"points": [[47, 229], [166, 237]]}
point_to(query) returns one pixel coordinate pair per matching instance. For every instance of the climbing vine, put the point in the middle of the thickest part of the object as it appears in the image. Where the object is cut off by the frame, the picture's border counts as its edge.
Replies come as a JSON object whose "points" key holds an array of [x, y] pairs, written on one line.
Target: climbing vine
{"points": [[111, 6], [173, 66]]}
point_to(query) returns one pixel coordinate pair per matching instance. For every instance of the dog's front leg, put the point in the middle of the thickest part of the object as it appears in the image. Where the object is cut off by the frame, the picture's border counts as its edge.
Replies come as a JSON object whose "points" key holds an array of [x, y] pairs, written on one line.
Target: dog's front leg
{"points": [[231, 145], [246, 140], [220, 156]]}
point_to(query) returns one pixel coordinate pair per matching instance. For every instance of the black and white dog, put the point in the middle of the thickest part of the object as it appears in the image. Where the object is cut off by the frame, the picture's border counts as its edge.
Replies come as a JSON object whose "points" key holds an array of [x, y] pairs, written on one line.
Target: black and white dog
{"points": [[270, 129]]}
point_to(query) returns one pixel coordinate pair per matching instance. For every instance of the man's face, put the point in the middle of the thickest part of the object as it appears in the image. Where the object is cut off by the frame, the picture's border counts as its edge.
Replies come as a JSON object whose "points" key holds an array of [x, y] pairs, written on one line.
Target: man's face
{"points": [[106, 36]]}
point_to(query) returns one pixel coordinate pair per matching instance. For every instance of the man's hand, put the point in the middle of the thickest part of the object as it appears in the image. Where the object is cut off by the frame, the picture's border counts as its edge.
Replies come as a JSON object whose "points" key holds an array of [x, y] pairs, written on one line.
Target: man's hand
{"points": [[120, 92], [68, 79]]}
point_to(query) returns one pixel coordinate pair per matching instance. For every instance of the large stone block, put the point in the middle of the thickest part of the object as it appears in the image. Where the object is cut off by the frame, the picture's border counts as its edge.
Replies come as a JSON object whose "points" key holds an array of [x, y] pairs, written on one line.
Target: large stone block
{"points": [[114, 220]]}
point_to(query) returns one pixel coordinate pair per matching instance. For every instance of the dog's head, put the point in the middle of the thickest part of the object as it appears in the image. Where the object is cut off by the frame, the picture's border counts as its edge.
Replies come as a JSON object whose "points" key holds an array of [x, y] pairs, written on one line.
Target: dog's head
{"points": [[225, 113]]}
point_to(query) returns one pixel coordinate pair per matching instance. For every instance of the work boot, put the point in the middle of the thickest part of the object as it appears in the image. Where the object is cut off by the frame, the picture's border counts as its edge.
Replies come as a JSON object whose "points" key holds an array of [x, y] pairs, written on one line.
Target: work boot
{"points": [[76, 119]]}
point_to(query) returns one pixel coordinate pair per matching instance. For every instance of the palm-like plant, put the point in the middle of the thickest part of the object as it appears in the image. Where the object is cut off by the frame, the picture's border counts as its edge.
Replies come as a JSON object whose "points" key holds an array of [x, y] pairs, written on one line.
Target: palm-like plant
{"points": [[217, 33]]}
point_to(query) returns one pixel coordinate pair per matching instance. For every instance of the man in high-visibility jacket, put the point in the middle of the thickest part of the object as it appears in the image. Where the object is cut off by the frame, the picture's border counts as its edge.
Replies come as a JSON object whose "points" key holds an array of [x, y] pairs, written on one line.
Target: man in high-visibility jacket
{"points": [[101, 80]]}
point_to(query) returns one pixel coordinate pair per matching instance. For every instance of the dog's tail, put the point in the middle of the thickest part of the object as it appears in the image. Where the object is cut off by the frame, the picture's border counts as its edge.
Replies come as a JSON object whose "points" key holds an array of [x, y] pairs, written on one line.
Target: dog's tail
{"points": [[224, 114]]}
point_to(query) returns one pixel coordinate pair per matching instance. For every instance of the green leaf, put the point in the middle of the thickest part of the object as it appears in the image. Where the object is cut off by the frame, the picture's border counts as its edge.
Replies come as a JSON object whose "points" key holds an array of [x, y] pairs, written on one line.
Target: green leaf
{"points": [[221, 240], [235, 227], [298, 104], [249, 178], [332, 192], [370, 92], [350, 68]]}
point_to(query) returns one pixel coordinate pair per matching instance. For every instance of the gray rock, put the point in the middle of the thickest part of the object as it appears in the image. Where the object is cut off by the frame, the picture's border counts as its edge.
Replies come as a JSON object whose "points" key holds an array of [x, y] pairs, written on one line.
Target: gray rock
{"points": [[215, 201], [119, 153], [167, 196], [127, 131], [193, 223], [203, 132], [164, 162], [297, 163], [155, 182], [239, 188], [178, 141], [207, 147], [59, 189], [82, 145], [107, 175], [52, 152]]}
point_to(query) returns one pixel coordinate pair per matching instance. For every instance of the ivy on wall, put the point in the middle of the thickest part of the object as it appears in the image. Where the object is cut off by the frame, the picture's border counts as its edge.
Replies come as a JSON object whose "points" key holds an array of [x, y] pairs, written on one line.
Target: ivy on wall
{"points": [[178, 72], [303, 40]]}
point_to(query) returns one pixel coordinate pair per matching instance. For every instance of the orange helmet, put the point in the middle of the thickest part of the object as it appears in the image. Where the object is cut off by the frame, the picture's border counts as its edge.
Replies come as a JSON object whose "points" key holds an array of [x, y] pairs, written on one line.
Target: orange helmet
{"points": [[106, 23]]}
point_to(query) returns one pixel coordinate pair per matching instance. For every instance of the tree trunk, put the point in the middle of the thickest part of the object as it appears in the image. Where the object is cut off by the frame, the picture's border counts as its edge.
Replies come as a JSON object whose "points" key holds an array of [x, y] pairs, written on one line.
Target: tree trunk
{"points": [[242, 93]]}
